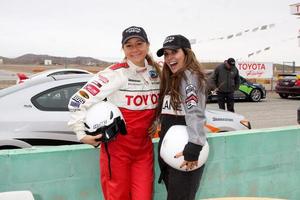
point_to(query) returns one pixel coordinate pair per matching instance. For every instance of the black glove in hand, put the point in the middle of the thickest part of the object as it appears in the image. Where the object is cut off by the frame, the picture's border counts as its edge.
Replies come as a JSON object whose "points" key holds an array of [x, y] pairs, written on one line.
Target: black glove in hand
{"points": [[191, 151]]}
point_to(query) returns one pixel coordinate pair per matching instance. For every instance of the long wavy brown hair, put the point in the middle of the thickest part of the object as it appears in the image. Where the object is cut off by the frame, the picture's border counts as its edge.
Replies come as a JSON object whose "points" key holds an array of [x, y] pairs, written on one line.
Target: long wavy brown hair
{"points": [[154, 64], [170, 83]]}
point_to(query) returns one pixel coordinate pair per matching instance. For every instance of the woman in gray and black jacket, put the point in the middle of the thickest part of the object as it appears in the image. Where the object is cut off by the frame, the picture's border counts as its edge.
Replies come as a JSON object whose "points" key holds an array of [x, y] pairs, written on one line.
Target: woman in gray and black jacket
{"points": [[182, 102]]}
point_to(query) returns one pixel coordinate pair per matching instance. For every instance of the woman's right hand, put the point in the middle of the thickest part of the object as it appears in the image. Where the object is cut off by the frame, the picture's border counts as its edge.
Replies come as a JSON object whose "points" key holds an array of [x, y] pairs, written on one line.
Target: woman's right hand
{"points": [[92, 140]]}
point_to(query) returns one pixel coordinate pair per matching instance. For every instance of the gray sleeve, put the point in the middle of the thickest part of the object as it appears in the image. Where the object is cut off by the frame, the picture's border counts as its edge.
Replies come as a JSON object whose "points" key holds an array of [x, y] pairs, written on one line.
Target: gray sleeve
{"points": [[194, 101]]}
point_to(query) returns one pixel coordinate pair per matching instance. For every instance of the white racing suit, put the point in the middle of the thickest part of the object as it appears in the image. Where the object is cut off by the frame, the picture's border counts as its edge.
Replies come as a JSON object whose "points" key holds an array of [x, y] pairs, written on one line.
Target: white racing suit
{"points": [[135, 91]]}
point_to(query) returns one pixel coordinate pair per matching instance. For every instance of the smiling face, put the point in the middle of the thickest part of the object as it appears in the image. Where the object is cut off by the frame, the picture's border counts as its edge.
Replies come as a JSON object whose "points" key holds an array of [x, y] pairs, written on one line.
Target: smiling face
{"points": [[174, 58], [135, 50]]}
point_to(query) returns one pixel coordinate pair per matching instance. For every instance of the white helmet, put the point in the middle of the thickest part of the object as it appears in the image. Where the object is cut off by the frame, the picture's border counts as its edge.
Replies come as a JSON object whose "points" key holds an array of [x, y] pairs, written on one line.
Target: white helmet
{"points": [[105, 118], [174, 142]]}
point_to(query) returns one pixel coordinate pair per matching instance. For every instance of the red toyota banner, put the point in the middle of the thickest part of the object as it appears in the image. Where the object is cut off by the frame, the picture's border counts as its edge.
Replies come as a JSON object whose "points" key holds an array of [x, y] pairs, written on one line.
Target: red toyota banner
{"points": [[255, 69]]}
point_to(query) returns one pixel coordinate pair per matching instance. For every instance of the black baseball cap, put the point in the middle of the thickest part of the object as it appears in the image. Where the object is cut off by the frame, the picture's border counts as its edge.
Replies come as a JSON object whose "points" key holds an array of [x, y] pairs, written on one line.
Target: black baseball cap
{"points": [[174, 42], [231, 61], [132, 32]]}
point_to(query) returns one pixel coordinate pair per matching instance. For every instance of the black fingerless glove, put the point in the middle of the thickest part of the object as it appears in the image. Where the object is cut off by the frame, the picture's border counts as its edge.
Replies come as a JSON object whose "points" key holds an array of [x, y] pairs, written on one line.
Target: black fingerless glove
{"points": [[191, 151]]}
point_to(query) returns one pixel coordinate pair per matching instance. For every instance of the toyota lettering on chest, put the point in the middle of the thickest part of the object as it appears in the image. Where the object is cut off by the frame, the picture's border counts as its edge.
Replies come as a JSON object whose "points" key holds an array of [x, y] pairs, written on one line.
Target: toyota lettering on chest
{"points": [[144, 99]]}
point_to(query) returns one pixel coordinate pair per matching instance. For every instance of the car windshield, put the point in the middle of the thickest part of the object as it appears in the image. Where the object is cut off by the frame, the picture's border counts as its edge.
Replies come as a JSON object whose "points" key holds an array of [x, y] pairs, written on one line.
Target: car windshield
{"points": [[59, 72], [288, 76]]}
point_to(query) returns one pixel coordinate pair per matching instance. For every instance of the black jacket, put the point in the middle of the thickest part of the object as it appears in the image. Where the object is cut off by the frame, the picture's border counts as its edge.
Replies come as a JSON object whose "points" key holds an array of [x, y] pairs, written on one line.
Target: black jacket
{"points": [[226, 80]]}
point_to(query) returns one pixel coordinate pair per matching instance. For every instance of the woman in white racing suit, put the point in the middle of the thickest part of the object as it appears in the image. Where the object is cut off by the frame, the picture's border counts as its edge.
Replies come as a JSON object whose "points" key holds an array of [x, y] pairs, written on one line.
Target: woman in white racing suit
{"points": [[126, 164]]}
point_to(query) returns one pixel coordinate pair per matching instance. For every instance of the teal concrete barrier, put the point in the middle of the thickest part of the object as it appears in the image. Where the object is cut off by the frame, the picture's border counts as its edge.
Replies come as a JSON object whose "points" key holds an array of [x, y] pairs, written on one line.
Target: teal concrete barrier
{"points": [[54, 173], [254, 163]]}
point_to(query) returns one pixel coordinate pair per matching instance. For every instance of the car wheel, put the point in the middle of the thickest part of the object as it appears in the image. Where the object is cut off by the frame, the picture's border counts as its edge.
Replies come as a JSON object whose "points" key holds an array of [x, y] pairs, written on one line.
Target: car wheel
{"points": [[13, 144], [6, 147], [284, 96], [255, 95]]}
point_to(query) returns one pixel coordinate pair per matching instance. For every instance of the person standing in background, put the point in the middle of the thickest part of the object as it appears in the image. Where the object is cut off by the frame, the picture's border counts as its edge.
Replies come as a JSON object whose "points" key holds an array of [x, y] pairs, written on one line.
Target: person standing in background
{"points": [[226, 80], [126, 162]]}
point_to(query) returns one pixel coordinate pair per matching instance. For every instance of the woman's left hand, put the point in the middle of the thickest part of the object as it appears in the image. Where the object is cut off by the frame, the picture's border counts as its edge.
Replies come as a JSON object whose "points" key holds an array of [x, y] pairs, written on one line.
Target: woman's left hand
{"points": [[189, 165]]}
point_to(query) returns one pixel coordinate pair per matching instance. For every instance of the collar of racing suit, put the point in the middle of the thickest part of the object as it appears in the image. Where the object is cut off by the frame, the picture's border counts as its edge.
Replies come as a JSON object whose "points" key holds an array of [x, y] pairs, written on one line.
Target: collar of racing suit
{"points": [[141, 71], [137, 68]]}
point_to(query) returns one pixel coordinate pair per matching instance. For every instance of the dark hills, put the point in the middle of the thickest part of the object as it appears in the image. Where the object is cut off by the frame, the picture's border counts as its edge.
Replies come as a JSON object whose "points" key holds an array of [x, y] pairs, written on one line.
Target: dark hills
{"points": [[33, 59]]}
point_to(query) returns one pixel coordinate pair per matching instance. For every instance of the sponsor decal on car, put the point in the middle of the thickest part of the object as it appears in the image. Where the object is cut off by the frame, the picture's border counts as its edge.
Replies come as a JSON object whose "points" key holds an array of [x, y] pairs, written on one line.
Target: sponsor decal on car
{"points": [[222, 119]]}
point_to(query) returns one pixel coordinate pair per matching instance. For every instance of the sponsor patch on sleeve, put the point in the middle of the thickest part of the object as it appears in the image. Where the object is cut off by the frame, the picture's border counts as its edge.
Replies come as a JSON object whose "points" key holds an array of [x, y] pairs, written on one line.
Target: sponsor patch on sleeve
{"points": [[78, 99], [92, 89], [103, 79], [84, 94], [191, 96], [153, 74], [99, 85], [75, 104]]}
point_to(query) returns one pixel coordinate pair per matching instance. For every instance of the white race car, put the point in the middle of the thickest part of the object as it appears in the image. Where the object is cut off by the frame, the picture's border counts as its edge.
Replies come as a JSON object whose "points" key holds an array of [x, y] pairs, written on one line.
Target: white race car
{"points": [[51, 72], [36, 112]]}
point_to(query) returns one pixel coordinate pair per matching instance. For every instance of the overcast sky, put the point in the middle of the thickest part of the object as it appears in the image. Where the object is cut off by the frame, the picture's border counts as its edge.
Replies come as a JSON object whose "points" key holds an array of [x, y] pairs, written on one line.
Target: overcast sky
{"points": [[252, 30]]}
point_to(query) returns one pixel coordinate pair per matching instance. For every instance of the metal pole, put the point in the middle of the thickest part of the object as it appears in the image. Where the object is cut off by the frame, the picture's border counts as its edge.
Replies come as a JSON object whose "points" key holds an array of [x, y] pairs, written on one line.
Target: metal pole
{"points": [[294, 65]]}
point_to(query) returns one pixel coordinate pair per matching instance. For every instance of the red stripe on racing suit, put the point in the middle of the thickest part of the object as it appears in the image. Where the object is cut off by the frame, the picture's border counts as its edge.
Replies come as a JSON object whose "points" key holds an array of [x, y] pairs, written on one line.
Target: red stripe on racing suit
{"points": [[118, 66]]}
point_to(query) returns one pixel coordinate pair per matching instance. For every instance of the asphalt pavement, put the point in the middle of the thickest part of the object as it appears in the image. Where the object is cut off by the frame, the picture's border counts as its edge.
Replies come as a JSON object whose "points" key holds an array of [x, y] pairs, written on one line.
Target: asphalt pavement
{"points": [[270, 112]]}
